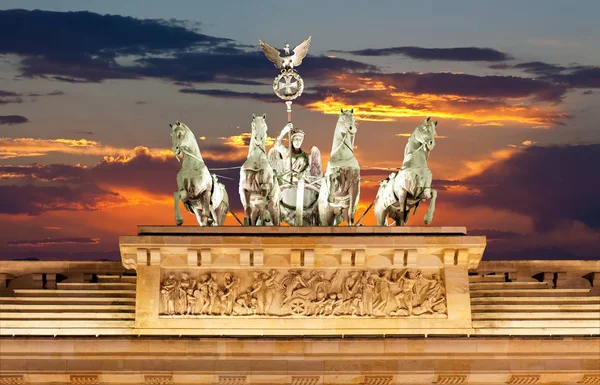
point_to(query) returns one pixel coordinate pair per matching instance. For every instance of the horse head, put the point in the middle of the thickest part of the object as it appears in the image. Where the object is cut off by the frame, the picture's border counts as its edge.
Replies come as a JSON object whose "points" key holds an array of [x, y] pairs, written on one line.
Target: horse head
{"points": [[179, 137], [347, 122], [259, 133], [344, 134], [424, 135]]}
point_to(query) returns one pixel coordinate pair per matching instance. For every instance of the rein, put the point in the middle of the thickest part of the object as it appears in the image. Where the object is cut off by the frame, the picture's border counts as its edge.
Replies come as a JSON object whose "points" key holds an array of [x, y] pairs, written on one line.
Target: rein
{"points": [[344, 135], [186, 152]]}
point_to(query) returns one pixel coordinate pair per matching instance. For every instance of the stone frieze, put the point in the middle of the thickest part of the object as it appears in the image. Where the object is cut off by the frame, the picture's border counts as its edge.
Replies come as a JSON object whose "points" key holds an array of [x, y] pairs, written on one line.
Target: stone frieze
{"points": [[302, 293]]}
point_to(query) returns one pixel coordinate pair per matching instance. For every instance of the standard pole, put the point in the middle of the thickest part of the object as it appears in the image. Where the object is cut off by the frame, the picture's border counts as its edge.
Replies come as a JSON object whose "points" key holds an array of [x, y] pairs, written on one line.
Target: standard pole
{"points": [[289, 112]]}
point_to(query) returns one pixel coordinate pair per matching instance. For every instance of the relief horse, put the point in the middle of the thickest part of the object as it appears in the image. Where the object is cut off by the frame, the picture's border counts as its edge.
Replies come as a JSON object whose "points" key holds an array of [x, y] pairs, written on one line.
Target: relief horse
{"points": [[340, 189], [405, 189], [259, 189], [200, 192]]}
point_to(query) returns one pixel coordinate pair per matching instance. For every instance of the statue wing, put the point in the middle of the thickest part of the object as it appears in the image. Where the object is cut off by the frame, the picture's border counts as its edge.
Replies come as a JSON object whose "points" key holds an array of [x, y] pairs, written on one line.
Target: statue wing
{"points": [[276, 161], [272, 53], [316, 163], [300, 52]]}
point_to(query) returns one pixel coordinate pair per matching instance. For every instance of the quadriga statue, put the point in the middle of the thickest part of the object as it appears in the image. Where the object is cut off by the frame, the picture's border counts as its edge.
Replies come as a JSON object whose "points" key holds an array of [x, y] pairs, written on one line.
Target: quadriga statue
{"points": [[405, 189]]}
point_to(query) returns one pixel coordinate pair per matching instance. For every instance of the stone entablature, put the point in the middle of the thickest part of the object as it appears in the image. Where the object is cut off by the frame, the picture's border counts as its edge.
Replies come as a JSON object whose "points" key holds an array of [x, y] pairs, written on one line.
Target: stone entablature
{"points": [[499, 298], [302, 281]]}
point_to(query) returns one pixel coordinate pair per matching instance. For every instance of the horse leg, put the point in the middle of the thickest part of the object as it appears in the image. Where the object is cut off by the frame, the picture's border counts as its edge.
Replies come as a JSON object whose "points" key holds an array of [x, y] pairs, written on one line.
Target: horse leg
{"points": [[202, 216], [429, 216], [248, 208], [380, 212], [332, 183], [274, 212], [220, 214], [178, 196], [329, 217], [402, 214]]}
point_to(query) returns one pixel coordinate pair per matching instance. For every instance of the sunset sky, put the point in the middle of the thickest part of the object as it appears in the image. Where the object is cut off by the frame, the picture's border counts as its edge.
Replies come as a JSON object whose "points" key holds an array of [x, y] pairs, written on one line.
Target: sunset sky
{"points": [[88, 89]]}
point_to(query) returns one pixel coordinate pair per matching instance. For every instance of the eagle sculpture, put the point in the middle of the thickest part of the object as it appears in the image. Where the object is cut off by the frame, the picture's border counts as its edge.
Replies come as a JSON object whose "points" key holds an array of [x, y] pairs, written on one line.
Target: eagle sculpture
{"points": [[288, 61]]}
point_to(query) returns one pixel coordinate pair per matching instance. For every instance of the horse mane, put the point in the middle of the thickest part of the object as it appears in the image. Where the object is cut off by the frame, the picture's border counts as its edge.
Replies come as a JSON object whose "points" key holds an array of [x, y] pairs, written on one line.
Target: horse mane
{"points": [[252, 145], [338, 137], [190, 140]]}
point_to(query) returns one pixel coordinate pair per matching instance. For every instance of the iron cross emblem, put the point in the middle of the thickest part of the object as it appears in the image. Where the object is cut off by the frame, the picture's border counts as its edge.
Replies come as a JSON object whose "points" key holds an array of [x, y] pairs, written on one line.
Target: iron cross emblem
{"points": [[288, 84]]}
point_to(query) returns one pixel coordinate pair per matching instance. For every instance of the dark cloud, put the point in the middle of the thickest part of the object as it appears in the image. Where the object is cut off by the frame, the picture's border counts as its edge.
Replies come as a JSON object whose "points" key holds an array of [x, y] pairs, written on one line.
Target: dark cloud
{"points": [[13, 97], [79, 68], [539, 68], [87, 46], [552, 185], [53, 241], [37, 255], [444, 54], [446, 83], [232, 94], [4, 94], [588, 92], [535, 254], [53, 93], [35, 199], [238, 68], [572, 76], [587, 77], [63, 35], [84, 132], [12, 119], [500, 66], [7, 97], [492, 235]]}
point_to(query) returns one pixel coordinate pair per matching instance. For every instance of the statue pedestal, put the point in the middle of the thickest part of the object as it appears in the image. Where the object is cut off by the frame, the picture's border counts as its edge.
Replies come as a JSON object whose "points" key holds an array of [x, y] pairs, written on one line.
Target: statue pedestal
{"points": [[317, 281]]}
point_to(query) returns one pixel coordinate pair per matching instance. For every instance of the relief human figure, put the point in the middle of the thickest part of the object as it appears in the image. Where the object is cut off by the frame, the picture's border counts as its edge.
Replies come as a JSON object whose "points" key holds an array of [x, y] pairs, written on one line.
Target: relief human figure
{"points": [[319, 303], [384, 293], [191, 299], [230, 293], [338, 305], [181, 296], [408, 290], [368, 293], [253, 306], [213, 292], [255, 292], [201, 294], [242, 301], [434, 295], [318, 284], [271, 286], [167, 294], [356, 305], [329, 304], [292, 283], [350, 285]]}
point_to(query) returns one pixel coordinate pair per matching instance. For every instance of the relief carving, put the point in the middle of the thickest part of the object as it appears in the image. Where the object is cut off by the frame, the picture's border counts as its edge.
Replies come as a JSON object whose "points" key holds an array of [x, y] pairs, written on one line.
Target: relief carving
{"points": [[304, 293]]}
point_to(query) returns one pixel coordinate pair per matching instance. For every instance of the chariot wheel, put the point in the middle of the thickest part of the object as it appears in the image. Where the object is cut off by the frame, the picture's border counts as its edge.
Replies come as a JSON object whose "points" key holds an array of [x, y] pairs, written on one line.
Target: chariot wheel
{"points": [[299, 306]]}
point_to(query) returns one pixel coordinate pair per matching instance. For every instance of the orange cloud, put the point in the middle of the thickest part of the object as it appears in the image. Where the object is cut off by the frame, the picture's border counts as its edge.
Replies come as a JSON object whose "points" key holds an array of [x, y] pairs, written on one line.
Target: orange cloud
{"points": [[27, 147], [230, 148], [382, 103], [476, 167]]}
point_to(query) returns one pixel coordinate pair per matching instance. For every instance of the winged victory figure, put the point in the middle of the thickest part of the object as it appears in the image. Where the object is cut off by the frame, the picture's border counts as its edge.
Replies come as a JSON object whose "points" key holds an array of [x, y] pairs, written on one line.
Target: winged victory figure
{"points": [[288, 61]]}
